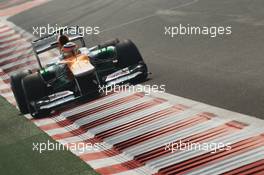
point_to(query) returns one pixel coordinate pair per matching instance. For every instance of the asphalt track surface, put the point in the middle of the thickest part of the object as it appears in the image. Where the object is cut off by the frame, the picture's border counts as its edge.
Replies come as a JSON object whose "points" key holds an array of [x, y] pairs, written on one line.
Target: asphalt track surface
{"points": [[225, 71]]}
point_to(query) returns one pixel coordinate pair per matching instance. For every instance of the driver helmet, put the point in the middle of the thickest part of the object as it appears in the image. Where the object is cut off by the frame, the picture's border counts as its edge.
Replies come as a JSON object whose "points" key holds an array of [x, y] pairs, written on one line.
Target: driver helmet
{"points": [[69, 49], [62, 39]]}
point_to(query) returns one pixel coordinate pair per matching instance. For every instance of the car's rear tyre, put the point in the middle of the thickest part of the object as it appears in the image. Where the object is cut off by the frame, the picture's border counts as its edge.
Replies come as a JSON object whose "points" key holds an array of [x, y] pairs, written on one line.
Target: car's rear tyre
{"points": [[129, 55], [16, 86], [34, 89]]}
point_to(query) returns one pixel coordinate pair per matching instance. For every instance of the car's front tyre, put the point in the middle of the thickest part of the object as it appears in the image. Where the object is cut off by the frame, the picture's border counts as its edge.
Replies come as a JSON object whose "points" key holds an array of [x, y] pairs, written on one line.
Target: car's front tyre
{"points": [[34, 89], [17, 89], [129, 55]]}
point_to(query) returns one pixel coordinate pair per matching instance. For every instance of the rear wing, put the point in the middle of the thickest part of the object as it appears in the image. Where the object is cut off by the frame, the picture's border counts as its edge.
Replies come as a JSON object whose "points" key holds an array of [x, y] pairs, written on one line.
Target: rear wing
{"points": [[49, 42]]}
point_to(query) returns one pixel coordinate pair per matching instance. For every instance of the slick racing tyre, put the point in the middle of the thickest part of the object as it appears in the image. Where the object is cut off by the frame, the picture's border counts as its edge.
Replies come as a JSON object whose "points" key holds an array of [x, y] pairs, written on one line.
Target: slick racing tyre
{"points": [[34, 89], [16, 86], [129, 55]]}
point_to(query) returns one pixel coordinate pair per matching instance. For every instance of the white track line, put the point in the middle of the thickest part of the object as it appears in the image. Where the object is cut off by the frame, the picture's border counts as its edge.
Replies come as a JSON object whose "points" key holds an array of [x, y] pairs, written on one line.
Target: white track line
{"points": [[147, 17]]}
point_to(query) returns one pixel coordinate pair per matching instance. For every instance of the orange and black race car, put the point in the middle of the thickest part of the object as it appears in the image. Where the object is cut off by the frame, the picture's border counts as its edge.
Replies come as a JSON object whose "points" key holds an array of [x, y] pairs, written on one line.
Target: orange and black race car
{"points": [[76, 72]]}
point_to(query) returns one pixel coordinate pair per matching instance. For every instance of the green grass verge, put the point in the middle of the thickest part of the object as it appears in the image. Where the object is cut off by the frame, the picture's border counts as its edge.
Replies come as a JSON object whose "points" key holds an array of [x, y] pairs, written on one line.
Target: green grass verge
{"points": [[17, 135]]}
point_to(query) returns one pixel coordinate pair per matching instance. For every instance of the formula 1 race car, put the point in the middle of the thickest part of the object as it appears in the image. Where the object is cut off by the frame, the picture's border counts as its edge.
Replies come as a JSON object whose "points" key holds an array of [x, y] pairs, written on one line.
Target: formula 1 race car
{"points": [[75, 73]]}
